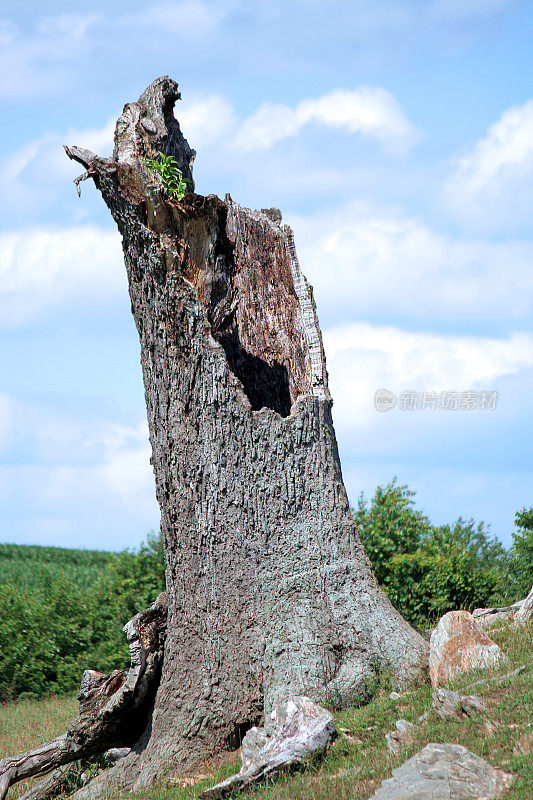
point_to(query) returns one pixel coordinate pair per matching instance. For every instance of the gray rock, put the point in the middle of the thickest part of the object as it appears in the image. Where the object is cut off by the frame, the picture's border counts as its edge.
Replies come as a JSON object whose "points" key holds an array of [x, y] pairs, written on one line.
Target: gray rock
{"points": [[524, 745], [401, 736], [394, 696], [113, 755], [452, 705], [444, 772], [296, 729]]}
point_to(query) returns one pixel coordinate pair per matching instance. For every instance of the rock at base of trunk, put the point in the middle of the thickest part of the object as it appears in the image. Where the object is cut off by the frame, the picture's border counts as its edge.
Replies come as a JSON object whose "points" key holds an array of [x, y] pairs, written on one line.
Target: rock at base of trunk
{"points": [[458, 644], [297, 729], [444, 772]]}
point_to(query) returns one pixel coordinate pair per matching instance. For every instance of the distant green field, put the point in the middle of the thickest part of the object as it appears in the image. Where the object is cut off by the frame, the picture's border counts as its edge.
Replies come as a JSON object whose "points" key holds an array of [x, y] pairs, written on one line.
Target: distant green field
{"points": [[62, 611], [23, 564]]}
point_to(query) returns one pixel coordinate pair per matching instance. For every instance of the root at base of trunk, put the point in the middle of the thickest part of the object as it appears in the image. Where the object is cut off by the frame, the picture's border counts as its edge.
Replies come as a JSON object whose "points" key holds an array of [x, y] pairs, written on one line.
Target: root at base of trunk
{"points": [[113, 710]]}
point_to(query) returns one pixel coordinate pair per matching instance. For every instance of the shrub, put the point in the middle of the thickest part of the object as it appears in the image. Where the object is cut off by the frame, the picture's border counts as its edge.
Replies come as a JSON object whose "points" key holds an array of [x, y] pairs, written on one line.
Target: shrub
{"points": [[166, 167], [427, 570]]}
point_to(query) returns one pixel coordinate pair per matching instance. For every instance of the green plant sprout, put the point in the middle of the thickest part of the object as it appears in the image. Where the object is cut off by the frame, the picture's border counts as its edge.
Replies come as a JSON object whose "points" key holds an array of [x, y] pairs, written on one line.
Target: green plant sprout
{"points": [[174, 183]]}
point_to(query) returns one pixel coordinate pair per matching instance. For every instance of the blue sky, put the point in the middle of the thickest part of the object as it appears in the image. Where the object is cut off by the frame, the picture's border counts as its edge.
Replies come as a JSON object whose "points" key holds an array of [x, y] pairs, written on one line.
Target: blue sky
{"points": [[396, 137]]}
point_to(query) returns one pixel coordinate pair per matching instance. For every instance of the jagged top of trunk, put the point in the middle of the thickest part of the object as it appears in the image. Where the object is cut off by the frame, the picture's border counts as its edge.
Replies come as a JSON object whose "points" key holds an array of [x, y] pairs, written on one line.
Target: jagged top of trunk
{"points": [[259, 305], [149, 126]]}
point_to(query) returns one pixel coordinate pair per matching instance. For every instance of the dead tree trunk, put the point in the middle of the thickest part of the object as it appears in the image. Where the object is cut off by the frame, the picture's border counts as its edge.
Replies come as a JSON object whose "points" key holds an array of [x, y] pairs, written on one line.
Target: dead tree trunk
{"points": [[270, 592]]}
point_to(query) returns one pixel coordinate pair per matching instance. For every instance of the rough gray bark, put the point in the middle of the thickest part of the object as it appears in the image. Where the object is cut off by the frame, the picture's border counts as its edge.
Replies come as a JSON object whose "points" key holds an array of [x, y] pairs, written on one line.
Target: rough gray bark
{"points": [[270, 592], [113, 709]]}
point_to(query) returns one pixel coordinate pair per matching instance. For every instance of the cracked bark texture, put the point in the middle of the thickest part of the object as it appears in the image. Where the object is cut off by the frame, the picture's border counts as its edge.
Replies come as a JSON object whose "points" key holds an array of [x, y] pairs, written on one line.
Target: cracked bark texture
{"points": [[270, 592]]}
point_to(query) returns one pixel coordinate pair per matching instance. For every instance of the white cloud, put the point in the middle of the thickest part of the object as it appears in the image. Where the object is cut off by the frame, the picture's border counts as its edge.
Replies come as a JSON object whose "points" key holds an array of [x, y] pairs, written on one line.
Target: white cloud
{"points": [[507, 146], [191, 17], [374, 262], [363, 358], [45, 158], [34, 64], [41, 269], [371, 112], [37, 175], [494, 177], [70, 480], [206, 120]]}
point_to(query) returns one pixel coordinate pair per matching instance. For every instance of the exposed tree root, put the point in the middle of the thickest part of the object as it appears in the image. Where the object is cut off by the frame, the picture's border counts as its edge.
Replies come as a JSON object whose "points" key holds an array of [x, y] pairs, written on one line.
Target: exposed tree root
{"points": [[113, 710]]}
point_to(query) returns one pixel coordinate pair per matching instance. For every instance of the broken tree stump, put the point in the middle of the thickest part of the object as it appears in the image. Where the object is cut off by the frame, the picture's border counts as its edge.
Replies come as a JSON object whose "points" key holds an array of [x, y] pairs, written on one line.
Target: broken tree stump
{"points": [[271, 595]]}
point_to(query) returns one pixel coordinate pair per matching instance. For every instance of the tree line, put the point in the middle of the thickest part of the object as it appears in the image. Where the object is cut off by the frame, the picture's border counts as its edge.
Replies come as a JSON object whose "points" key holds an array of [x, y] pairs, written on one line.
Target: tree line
{"points": [[427, 569], [62, 611]]}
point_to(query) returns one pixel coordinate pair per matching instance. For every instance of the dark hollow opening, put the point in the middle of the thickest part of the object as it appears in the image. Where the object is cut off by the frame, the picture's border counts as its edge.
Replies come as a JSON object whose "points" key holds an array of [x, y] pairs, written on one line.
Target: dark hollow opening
{"points": [[265, 385], [238, 733]]}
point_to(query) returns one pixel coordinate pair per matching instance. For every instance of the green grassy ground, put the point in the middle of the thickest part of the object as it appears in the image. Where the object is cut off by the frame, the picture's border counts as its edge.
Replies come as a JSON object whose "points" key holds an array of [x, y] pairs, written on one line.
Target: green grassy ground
{"points": [[359, 760], [28, 723]]}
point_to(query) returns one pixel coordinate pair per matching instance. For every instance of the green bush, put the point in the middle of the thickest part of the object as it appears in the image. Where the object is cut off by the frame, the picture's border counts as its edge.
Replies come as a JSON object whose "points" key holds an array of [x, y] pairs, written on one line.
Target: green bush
{"points": [[522, 553], [427, 570], [57, 625]]}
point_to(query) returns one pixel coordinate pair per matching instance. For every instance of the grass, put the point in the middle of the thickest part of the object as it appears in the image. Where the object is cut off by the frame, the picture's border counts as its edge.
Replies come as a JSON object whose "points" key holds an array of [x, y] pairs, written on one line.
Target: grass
{"points": [[358, 761], [28, 723]]}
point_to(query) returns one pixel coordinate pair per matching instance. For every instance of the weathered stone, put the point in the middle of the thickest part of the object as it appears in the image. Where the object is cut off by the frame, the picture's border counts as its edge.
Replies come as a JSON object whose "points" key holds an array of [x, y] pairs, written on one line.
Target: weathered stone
{"points": [[402, 736], [458, 644], [394, 696], [517, 613], [490, 728], [452, 705], [298, 729], [444, 772], [524, 745]]}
